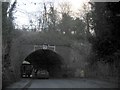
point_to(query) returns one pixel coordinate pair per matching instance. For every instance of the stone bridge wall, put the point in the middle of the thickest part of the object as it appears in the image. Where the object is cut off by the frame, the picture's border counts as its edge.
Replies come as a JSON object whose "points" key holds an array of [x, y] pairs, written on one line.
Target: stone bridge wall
{"points": [[19, 52], [22, 47]]}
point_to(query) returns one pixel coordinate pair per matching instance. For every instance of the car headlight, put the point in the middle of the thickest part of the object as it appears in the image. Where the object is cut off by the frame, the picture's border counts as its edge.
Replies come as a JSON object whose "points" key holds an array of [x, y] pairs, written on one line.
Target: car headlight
{"points": [[30, 75]]}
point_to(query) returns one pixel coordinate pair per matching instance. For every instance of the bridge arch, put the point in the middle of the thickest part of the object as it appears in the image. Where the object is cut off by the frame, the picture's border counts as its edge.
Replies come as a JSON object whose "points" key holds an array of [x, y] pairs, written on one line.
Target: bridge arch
{"points": [[48, 60]]}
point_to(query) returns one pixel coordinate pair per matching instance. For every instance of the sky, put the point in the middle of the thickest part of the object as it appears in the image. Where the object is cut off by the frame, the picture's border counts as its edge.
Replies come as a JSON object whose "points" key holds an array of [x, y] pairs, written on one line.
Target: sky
{"points": [[26, 9]]}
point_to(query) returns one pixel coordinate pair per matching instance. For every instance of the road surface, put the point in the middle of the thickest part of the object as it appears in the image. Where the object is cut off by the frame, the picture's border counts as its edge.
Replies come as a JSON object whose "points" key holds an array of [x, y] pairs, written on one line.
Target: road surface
{"points": [[64, 83]]}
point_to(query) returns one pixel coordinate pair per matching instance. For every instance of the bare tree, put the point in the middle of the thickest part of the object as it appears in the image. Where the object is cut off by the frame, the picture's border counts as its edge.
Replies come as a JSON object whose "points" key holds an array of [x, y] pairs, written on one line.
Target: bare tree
{"points": [[86, 18], [65, 8]]}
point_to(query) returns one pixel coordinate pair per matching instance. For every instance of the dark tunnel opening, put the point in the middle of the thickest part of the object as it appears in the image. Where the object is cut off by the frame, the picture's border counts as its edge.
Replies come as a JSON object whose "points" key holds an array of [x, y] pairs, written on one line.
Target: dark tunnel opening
{"points": [[46, 60]]}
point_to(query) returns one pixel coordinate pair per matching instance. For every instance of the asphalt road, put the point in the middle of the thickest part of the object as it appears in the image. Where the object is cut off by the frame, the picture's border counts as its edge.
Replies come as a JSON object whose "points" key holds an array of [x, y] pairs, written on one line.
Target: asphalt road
{"points": [[68, 83]]}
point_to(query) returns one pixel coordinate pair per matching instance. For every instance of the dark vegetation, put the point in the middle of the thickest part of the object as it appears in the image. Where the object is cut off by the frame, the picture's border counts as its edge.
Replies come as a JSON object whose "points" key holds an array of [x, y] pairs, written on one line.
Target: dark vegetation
{"points": [[105, 44], [7, 36]]}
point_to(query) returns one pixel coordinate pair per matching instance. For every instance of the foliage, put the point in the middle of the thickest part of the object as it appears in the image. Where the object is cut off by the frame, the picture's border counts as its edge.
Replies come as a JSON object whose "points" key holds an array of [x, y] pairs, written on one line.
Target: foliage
{"points": [[104, 43], [66, 24], [7, 36], [7, 18], [59, 21]]}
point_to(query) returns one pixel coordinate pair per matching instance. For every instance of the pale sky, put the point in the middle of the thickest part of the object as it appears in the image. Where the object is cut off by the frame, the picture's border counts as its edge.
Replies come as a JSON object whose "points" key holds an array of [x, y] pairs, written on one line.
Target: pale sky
{"points": [[33, 6]]}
